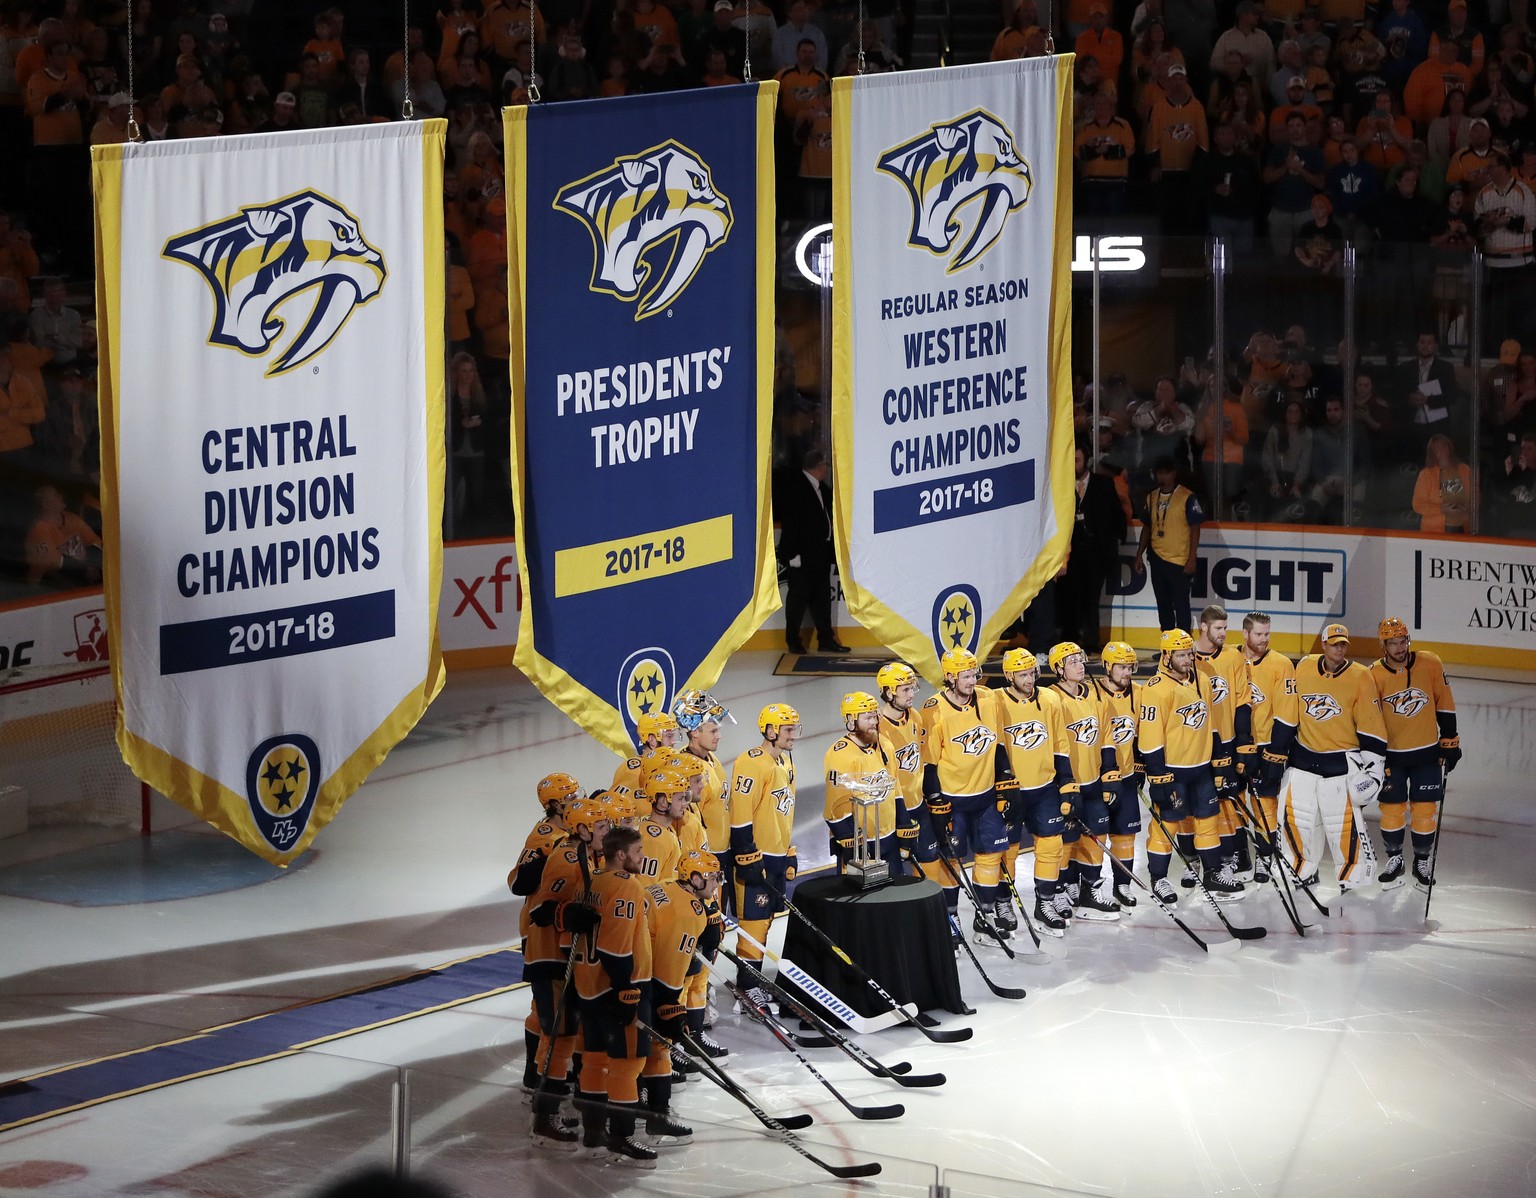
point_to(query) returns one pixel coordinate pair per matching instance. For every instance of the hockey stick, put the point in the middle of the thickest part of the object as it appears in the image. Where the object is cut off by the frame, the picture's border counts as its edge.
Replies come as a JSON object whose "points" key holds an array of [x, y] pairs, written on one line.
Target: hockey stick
{"points": [[901, 1072], [957, 871], [1276, 877], [1238, 933], [717, 1074], [1285, 862], [835, 1006], [1433, 925], [1220, 948], [938, 1035], [781, 1034], [1009, 992], [1041, 955]]}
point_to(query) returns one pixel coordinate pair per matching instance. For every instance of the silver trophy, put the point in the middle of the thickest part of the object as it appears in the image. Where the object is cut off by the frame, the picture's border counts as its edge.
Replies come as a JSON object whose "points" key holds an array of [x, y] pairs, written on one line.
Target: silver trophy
{"points": [[866, 868]]}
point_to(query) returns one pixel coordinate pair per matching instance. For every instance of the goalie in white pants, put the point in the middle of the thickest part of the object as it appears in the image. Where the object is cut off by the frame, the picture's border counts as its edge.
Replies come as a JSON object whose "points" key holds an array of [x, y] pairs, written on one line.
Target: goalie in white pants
{"points": [[1337, 761]]}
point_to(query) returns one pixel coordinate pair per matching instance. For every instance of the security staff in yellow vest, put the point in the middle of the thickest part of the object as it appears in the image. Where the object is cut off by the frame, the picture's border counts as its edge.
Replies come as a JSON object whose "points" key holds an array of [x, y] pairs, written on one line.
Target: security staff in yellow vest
{"points": [[1170, 529]]}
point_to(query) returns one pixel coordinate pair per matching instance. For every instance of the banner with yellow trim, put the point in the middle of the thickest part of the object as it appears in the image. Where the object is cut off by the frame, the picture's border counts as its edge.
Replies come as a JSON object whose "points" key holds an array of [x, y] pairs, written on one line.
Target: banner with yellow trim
{"points": [[952, 398], [272, 387], [640, 286]]}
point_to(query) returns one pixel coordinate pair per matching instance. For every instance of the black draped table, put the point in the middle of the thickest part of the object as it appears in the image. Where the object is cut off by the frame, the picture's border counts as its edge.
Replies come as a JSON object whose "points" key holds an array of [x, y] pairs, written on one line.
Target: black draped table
{"points": [[898, 933]]}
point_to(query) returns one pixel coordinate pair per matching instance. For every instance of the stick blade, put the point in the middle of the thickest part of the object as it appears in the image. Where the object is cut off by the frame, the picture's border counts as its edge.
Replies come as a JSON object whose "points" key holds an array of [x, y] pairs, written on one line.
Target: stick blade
{"points": [[794, 1122], [894, 1111], [900, 1067], [1008, 992], [952, 1035], [1431, 925], [849, 1172], [811, 1041], [921, 1081], [1248, 933], [1222, 948]]}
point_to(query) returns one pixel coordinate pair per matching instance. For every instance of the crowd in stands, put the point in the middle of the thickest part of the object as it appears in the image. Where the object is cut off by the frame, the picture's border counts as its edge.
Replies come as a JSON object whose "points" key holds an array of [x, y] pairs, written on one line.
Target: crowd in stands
{"points": [[1316, 127]]}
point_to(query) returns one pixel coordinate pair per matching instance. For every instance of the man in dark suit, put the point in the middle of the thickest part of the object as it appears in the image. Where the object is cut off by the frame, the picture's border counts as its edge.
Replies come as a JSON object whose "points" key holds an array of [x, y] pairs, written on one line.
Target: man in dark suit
{"points": [[804, 508], [1430, 400], [1098, 529]]}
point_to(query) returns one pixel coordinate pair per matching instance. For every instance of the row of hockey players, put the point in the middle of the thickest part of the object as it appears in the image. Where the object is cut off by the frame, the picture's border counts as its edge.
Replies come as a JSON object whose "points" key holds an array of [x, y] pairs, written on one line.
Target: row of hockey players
{"points": [[1230, 740]]}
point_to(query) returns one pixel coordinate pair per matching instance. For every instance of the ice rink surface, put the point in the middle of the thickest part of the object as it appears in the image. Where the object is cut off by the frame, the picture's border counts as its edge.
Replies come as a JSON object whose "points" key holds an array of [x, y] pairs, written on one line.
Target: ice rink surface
{"points": [[1371, 1057]]}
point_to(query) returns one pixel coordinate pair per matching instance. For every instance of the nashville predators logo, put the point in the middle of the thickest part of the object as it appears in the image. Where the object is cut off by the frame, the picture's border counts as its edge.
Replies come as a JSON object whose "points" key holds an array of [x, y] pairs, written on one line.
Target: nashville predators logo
{"points": [[1193, 714], [1085, 731], [1256, 697], [264, 256], [1322, 707], [1220, 689], [652, 218], [1031, 734], [908, 758], [282, 778], [957, 619], [783, 799], [645, 686], [969, 159], [975, 741], [1122, 728], [1408, 702]]}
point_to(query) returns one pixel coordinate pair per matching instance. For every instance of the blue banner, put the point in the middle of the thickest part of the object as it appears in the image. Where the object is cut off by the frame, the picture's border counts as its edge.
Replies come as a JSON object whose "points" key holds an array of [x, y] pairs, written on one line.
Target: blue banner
{"points": [[640, 275]]}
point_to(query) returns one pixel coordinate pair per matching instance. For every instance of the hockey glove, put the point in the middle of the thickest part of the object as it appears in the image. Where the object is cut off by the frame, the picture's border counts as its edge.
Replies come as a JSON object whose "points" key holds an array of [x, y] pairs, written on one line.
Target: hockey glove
{"points": [[1008, 805], [749, 869], [1247, 761], [543, 916], [624, 1006], [1450, 752], [907, 832], [1111, 781], [792, 867], [577, 917], [672, 1021], [1367, 772], [1221, 774], [940, 810], [1165, 796], [1070, 797]]}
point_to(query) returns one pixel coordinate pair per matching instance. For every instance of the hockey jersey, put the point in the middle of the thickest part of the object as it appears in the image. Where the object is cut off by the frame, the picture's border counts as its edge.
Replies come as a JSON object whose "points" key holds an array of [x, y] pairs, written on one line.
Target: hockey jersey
{"points": [[1033, 736], [1337, 711], [906, 739], [958, 742], [848, 756], [763, 803], [1117, 712], [1230, 694], [1173, 730], [619, 954], [1416, 706], [1272, 700]]}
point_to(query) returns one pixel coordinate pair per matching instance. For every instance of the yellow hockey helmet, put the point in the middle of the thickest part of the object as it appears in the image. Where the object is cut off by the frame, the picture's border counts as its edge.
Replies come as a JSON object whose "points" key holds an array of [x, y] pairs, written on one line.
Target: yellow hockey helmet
{"points": [[586, 813], [1174, 639], [557, 789], [698, 861], [664, 784], [1390, 629], [1118, 653], [1017, 660], [957, 661], [776, 716], [1060, 653], [856, 703], [654, 723], [894, 674]]}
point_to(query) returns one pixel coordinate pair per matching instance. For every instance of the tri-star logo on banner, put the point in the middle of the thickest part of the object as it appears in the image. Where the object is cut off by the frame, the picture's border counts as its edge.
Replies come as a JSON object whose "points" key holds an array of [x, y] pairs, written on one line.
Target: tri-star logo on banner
{"points": [[272, 497], [953, 496], [641, 259]]}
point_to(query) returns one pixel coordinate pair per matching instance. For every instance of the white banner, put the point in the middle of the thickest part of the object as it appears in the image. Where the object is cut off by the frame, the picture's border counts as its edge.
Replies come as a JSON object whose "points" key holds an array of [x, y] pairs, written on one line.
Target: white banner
{"points": [[952, 426], [272, 418]]}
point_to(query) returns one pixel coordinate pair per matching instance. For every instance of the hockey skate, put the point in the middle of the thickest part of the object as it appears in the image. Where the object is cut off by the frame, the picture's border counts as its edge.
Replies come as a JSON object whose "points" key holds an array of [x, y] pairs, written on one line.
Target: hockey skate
{"points": [[1124, 895], [987, 932], [1392, 876], [1164, 890], [1223, 885], [1091, 906], [1046, 918]]}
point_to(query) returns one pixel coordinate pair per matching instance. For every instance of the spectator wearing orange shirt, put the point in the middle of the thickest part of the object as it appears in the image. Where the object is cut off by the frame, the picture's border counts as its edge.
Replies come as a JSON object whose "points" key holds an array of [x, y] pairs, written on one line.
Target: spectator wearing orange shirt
{"points": [[1442, 496], [31, 57], [1469, 42], [1471, 165], [1424, 93], [1103, 149], [461, 299], [715, 72], [487, 254], [1230, 440], [327, 49], [656, 24], [1295, 101], [55, 98], [1383, 136], [394, 65], [60, 546], [18, 258], [22, 406], [1103, 43], [509, 24]]}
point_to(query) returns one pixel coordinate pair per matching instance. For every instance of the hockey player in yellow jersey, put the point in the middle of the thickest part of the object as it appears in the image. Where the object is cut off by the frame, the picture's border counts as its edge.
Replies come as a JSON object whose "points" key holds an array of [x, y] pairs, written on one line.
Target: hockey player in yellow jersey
{"points": [[667, 791], [689, 826], [762, 824], [1337, 763], [1272, 707], [612, 974], [862, 751], [1422, 747], [1226, 669], [700, 718], [962, 762], [700, 872], [1120, 782], [557, 913], [900, 726], [678, 924], [1173, 735], [1039, 768], [553, 791], [1091, 754], [656, 730]]}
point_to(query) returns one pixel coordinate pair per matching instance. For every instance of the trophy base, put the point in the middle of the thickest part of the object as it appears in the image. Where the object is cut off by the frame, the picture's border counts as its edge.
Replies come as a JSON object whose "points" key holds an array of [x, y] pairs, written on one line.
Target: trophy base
{"points": [[866, 875]]}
